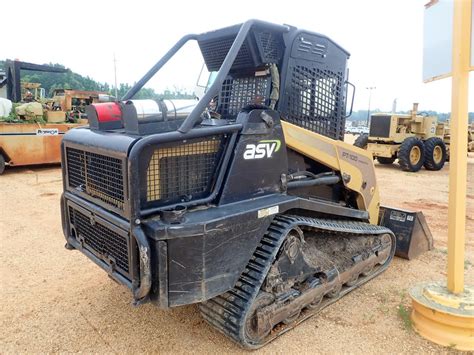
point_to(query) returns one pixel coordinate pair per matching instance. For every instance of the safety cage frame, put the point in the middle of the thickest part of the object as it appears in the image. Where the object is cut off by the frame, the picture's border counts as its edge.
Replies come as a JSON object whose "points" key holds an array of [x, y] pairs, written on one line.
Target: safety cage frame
{"points": [[244, 53], [240, 48]]}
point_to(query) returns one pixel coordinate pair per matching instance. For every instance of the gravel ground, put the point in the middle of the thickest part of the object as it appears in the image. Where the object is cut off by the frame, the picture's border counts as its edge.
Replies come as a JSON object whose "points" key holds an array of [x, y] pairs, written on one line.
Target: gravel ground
{"points": [[54, 300]]}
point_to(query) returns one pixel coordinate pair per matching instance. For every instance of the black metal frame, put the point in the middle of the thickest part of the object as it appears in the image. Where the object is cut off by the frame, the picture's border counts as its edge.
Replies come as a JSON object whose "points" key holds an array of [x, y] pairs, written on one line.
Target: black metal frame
{"points": [[13, 74], [224, 70], [126, 187], [136, 212], [68, 199], [322, 61], [137, 215], [185, 131], [226, 142], [110, 226]]}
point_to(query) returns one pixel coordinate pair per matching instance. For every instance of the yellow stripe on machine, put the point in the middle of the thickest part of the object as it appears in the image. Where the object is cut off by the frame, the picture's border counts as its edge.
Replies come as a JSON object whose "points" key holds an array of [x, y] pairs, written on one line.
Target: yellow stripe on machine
{"points": [[355, 165]]}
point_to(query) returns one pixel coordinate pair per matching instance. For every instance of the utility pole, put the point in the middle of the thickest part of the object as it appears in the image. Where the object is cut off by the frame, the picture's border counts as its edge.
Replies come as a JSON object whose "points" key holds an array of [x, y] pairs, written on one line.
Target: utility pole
{"points": [[370, 88], [115, 75]]}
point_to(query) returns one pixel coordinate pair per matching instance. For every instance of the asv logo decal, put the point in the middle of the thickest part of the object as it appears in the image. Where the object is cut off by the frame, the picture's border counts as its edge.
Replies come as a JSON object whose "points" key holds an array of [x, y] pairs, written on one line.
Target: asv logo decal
{"points": [[263, 149]]}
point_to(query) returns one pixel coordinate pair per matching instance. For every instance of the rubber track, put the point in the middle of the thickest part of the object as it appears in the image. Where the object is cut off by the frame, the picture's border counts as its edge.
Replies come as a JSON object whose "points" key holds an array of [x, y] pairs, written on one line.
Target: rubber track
{"points": [[227, 312]]}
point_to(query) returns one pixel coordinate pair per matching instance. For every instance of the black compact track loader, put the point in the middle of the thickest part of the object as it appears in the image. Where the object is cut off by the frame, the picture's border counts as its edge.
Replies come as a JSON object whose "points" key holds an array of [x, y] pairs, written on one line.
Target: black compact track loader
{"points": [[249, 203]]}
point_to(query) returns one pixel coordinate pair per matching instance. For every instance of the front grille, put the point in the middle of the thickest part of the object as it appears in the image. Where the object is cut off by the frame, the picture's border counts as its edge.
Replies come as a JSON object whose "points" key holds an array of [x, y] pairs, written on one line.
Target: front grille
{"points": [[108, 245], [97, 175], [184, 172], [236, 93], [316, 99], [380, 126]]}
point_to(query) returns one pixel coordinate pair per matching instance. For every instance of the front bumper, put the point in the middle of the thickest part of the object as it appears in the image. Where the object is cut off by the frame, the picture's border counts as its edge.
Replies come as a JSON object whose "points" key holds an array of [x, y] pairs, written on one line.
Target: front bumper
{"points": [[109, 242]]}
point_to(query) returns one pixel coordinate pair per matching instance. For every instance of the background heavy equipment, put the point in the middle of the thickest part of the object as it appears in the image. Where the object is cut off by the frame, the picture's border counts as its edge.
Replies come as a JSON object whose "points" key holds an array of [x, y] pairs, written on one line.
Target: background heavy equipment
{"points": [[16, 91], [32, 92], [34, 135], [251, 204], [29, 140], [447, 138], [69, 105], [415, 140]]}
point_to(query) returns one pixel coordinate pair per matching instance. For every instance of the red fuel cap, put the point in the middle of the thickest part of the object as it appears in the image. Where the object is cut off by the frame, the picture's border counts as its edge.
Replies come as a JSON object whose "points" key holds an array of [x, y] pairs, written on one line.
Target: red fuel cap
{"points": [[108, 111]]}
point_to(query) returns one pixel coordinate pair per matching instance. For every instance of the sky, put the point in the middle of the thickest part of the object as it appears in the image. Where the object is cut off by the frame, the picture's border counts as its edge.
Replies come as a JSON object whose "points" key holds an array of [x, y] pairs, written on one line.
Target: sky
{"points": [[385, 39]]}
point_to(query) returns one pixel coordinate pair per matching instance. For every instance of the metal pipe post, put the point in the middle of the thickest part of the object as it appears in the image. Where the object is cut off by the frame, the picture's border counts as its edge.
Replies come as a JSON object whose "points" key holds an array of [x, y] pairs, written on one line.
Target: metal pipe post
{"points": [[458, 160], [136, 88], [370, 97], [192, 118]]}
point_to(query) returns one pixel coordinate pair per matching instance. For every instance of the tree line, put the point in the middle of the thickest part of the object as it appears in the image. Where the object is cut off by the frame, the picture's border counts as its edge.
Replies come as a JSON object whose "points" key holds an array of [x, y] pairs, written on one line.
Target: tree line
{"points": [[71, 80]]}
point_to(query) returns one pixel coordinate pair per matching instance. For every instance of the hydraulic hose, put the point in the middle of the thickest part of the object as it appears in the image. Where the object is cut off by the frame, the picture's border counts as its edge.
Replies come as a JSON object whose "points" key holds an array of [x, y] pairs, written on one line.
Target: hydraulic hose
{"points": [[326, 180]]}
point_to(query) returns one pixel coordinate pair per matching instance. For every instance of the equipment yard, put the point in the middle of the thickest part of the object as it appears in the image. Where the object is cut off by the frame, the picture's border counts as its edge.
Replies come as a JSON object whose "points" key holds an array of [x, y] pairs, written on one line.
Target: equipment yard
{"points": [[44, 309], [230, 188]]}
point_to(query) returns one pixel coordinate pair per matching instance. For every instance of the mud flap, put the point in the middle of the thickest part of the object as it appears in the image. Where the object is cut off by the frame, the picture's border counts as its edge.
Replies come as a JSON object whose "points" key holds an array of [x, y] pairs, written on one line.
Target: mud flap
{"points": [[412, 232]]}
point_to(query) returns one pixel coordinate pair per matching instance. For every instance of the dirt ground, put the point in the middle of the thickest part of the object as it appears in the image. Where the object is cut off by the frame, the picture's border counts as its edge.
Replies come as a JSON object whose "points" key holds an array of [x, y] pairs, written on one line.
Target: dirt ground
{"points": [[54, 300]]}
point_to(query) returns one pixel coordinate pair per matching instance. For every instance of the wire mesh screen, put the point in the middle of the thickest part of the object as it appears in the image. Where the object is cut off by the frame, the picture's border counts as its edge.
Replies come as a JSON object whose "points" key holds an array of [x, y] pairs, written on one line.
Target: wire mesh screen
{"points": [[261, 46], [236, 93], [269, 46], [315, 100], [184, 172], [103, 242], [215, 51], [97, 175]]}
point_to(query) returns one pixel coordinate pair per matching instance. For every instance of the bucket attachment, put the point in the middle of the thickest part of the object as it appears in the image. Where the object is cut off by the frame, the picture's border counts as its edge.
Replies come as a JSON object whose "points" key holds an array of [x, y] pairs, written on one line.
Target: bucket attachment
{"points": [[412, 232]]}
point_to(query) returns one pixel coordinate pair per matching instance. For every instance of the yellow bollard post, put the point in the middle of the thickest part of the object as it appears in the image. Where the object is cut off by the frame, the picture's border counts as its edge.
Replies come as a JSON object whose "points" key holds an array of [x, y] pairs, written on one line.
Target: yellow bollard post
{"points": [[445, 314], [458, 159]]}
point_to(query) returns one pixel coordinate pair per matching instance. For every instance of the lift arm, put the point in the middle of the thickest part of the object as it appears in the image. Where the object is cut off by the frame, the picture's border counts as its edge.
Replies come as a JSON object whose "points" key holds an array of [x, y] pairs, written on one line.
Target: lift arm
{"points": [[355, 165]]}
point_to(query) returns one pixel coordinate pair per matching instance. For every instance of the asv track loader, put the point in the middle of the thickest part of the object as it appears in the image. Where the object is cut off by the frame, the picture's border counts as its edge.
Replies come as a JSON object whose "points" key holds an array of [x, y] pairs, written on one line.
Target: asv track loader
{"points": [[250, 204]]}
